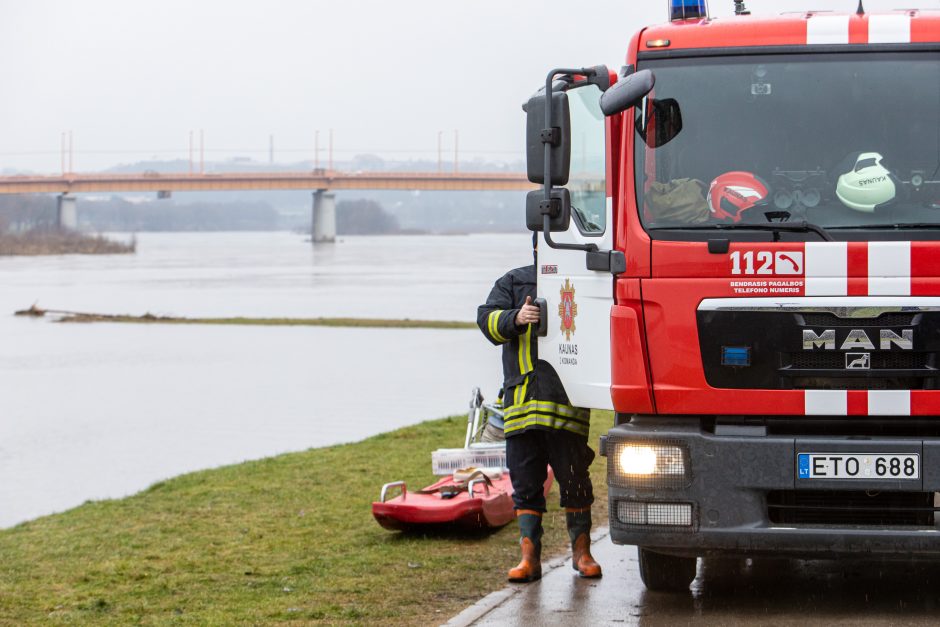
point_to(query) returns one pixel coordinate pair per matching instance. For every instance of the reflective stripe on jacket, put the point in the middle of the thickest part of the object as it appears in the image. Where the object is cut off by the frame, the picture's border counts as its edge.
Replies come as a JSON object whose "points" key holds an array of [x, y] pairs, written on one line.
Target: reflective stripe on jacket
{"points": [[532, 393]]}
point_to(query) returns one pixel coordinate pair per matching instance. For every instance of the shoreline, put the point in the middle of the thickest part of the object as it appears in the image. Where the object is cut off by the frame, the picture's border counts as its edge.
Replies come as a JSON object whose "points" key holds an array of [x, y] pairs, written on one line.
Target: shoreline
{"points": [[63, 316]]}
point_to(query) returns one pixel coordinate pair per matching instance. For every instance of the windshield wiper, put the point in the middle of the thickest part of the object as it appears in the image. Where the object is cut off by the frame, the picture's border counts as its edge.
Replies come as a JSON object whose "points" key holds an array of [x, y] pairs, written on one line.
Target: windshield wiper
{"points": [[899, 225], [775, 227]]}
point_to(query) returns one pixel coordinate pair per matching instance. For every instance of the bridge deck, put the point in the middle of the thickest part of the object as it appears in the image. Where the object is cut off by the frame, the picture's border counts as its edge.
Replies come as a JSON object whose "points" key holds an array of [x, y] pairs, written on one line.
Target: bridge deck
{"points": [[313, 180]]}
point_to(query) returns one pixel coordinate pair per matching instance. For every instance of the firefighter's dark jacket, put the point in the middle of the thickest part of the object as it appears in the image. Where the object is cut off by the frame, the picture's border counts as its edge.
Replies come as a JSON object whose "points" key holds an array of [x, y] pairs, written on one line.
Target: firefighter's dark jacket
{"points": [[532, 393]]}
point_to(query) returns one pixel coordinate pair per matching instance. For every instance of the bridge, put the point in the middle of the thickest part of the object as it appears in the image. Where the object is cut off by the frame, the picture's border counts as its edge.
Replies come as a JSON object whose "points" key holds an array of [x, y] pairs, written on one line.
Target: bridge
{"points": [[323, 184]]}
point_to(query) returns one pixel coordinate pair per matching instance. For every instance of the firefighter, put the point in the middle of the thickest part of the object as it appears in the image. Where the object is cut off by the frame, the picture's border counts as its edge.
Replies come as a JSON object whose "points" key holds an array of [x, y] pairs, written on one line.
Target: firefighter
{"points": [[542, 428]]}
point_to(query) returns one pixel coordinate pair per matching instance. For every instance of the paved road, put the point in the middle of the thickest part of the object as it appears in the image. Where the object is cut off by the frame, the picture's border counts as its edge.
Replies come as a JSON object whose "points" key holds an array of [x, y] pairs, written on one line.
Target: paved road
{"points": [[726, 592]]}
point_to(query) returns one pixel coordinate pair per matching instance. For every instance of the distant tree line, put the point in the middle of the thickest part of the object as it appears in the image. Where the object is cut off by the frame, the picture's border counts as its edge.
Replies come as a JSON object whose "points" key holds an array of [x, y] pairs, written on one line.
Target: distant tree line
{"points": [[25, 212], [118, 214], [35, 211], [364, 217]]}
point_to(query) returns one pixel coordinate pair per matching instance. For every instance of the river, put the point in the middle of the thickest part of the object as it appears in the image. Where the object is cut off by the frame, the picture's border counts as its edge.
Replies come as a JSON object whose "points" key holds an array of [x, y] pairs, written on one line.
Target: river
{"points": [[104, 410]]}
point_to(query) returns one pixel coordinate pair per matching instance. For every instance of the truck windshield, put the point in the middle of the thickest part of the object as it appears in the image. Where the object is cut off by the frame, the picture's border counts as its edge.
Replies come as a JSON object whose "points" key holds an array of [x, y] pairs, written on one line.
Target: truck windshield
{"points": [[843, 141]]}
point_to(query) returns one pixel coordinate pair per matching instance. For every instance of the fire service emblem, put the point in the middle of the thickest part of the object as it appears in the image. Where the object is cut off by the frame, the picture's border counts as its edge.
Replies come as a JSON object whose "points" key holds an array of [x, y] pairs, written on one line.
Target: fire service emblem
{"points": [[567, 309]]}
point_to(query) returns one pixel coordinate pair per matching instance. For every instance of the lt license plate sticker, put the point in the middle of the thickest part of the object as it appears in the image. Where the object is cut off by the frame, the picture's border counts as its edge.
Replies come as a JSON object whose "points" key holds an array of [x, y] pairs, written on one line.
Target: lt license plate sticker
{"points": [[857, 466]]}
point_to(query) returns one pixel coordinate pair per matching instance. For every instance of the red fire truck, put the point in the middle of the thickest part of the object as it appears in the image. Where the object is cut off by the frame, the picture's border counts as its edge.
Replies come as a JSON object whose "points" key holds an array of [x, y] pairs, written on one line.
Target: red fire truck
{"points": [[740, 256]]}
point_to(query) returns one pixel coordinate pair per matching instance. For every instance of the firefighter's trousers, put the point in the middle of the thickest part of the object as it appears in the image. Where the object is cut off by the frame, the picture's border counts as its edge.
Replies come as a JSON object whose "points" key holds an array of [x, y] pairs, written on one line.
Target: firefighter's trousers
{"points": [[528, 454]]}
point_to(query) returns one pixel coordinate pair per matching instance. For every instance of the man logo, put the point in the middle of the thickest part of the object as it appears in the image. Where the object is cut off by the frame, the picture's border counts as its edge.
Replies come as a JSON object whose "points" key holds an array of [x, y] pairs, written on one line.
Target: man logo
{"points": [[858, 339], [858, 361]]}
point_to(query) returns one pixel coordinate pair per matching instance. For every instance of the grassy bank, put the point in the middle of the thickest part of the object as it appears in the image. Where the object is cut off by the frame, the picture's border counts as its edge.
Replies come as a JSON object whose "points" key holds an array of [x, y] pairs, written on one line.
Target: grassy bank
{"points": [[288, 539], [52, 242], [401, 323]]}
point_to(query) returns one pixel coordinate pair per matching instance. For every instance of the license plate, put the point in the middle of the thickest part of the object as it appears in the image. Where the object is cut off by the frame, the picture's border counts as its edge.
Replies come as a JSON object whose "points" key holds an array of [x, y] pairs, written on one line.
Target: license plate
{"points": [[857, 466]]}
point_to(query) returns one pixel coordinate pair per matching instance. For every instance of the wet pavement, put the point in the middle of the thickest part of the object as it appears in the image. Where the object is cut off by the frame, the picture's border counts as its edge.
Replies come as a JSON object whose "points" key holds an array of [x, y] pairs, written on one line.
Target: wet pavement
{"points": [[725, 592]]}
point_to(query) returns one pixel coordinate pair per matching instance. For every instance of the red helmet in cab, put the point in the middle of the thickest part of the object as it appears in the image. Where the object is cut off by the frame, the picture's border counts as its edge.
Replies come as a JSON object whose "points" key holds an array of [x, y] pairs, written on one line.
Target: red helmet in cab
{"points": [[733, 193]]}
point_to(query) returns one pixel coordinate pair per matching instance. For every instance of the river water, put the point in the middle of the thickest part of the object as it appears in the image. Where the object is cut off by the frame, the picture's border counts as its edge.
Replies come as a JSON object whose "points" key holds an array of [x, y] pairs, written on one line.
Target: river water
{"points": [[104, 410]]}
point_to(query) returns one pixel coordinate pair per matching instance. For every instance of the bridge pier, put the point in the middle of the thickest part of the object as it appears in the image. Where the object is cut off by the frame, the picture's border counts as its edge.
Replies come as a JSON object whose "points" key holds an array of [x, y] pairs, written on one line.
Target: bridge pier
{"points": [[67, 212], [324, 216]]}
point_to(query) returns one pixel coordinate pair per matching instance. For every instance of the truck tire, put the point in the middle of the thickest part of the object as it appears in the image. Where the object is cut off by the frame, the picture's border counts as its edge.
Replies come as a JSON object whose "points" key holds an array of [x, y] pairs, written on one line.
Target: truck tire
{"points": [[666, 573]]}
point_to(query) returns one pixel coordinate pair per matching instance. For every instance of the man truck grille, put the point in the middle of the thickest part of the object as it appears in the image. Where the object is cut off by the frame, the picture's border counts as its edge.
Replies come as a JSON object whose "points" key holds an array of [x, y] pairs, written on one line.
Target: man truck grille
{"points": [[838, 507], [820, 350], [811, 319], [836, 361]]}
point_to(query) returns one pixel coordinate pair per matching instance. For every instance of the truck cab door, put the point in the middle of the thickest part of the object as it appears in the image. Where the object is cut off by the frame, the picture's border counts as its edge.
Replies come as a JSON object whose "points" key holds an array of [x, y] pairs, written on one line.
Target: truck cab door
{"points": [[578, 300]]}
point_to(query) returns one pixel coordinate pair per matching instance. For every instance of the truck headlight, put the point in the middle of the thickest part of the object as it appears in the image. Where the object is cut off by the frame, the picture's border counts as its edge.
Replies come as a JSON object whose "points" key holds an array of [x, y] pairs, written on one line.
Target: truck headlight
{"points": [[644, 459], [648, 465]]}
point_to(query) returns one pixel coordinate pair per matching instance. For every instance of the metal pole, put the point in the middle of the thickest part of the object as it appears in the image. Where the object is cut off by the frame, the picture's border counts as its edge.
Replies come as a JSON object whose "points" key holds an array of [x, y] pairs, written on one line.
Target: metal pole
{"points": [[440, 152], [331, 150], [316, 150], [202, 152], [190, 152], [62, 151], [71, 154], [271, 149], [456, 144]]}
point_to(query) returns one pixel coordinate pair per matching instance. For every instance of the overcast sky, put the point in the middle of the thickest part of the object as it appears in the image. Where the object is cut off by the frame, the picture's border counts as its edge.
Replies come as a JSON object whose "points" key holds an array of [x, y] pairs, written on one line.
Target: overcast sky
{"points": [[131, 78]]}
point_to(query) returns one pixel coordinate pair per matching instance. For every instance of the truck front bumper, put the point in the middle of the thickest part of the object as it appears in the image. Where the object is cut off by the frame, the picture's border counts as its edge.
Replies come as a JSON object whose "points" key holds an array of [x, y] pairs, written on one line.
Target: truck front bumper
{"points": [[741, 494]]}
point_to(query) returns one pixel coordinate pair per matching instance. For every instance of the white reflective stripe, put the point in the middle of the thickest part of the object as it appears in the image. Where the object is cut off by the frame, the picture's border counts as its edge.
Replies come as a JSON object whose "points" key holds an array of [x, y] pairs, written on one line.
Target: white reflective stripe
{"points": [[889, 268], [827, 268], [825, 402], [826, 259], [878, 286], [889, 29], [827, 29], [889, 402], [823, 286]]}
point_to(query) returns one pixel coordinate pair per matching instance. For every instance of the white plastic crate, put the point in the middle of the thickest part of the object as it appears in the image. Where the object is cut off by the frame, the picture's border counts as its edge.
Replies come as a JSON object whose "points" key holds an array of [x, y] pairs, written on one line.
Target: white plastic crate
{"points": [[445, 461]]}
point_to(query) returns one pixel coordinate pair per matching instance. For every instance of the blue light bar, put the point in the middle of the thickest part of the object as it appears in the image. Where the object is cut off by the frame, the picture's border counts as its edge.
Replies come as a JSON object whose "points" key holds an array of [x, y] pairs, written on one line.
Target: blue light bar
{"points": [[735, 355], [688, 9]]}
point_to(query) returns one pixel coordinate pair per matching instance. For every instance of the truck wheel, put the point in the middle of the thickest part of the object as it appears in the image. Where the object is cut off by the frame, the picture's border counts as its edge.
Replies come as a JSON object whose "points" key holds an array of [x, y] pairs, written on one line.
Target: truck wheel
{"points": [[667, 573]]}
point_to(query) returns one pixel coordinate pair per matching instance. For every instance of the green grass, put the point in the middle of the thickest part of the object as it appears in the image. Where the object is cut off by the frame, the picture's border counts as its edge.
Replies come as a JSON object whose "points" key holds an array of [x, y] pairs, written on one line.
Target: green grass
{"points": [[288, 539]]}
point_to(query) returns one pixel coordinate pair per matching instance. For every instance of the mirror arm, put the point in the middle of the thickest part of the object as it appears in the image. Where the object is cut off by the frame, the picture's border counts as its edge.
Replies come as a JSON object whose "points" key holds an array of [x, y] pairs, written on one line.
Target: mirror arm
{"points": [[546, 230]]}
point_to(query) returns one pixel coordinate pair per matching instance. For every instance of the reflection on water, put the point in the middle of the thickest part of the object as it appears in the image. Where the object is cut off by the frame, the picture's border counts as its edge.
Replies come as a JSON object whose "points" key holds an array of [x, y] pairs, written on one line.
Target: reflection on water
{"points": [[96, 411], [800, 592]]}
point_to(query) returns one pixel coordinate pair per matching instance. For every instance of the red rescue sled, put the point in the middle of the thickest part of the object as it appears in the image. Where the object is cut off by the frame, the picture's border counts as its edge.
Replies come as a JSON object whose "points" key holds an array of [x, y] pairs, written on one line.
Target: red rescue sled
{"points": [[480, 506]]}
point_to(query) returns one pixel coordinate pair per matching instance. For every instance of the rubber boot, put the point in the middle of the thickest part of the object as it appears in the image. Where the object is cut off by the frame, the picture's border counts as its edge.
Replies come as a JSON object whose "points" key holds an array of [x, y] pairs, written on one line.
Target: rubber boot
{"points": [[579, 531], [530, 532]]}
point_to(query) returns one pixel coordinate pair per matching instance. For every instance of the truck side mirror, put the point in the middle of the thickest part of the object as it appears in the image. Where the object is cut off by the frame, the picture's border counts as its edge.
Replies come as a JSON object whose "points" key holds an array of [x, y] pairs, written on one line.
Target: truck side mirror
{"points": [[558, 133], [627, 92], [559, 214]]}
